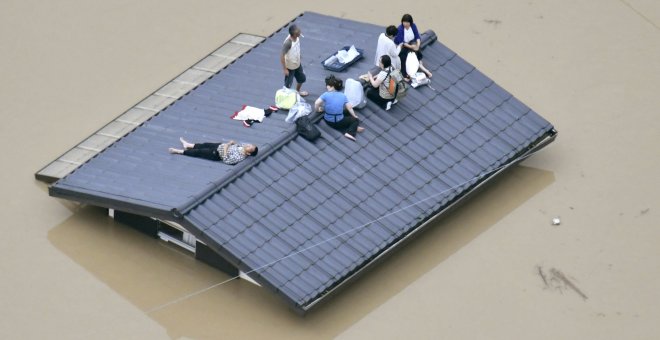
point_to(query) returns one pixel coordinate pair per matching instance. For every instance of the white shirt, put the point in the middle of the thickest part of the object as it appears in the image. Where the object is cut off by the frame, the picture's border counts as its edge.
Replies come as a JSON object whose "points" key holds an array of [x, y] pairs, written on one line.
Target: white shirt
{"points": [[387, 47], [292, 56], [408, 35]]}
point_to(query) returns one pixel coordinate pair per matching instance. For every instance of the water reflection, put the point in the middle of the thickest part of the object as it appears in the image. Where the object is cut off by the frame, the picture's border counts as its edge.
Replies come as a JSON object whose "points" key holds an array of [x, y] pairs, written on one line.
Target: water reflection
{"points": [[149, 273]]}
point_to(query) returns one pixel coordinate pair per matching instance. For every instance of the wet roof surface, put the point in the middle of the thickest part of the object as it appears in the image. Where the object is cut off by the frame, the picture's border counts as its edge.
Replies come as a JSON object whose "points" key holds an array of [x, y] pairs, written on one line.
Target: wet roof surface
{"points": [[305, 216]]}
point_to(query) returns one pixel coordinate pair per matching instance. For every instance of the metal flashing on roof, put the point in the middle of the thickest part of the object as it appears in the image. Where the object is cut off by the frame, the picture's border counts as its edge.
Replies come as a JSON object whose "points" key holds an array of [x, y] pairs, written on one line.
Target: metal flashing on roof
{"points": [[302, 218], [143, 111]]}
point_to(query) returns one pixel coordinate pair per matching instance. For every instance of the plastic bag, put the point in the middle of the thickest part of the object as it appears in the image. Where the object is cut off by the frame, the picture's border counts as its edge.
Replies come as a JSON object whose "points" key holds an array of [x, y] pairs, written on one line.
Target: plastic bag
{"points": [[285, 98], [299, 109], [419, 79], [355, 93], [345, 56], [412, 63]]}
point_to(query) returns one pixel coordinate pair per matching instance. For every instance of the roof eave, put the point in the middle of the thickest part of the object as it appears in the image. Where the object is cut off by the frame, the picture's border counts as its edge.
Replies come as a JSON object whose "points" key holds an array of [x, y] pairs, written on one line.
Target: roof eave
{"points": [[534, 147]]}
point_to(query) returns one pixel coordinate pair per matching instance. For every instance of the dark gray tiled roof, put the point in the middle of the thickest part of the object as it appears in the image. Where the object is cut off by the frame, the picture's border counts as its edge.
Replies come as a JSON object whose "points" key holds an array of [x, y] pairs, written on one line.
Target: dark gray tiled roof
{"points": [[304, 217]]}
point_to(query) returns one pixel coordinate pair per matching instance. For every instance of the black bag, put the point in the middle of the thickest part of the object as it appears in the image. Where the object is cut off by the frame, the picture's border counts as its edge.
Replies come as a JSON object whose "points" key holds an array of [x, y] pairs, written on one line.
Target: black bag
{"points": [[307, 129]]}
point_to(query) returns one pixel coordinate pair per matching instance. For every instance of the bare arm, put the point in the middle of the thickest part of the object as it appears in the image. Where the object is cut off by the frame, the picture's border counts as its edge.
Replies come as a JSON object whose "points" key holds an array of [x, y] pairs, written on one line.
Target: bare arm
{"points": [[318, 105], [350, 110], [375, 82], [285, 49]]}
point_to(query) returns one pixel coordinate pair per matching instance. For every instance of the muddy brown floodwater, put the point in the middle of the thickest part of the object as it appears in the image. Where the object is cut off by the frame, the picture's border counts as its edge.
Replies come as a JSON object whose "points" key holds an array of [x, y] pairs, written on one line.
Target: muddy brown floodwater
{"points": [[497, 268]]}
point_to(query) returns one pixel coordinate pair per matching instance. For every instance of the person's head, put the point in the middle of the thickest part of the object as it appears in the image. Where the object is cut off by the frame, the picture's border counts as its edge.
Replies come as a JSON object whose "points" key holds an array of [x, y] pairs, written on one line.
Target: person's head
{"points": [[251, 149], [333, 82], [390, 31], [294, 31], [385, 61], [406, 20]]}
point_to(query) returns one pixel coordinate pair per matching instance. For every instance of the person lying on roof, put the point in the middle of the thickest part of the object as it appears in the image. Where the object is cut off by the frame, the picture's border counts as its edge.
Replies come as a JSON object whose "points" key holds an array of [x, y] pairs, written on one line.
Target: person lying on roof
{"points": [[229, 153]]}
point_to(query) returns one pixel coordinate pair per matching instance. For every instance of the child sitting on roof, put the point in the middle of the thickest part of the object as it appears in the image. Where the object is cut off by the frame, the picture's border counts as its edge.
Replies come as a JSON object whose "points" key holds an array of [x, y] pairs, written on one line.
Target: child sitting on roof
{"points": [[229, 153]]}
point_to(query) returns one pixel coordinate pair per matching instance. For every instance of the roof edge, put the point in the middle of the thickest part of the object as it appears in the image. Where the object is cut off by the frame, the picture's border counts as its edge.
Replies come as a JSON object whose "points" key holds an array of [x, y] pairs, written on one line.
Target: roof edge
{"points": [[141, 208], [534, 147]]}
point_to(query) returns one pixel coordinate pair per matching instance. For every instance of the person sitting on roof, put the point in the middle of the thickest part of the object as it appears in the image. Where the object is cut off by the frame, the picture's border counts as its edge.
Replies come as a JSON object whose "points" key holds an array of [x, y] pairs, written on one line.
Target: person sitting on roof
{"points": [[386, 46], [229, 153], [410, 41], [380, 93], [339, 113]]}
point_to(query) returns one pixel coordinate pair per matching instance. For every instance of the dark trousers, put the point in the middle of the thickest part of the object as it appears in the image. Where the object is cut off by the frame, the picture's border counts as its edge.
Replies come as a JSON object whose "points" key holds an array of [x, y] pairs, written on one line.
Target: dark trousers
{"points": [[298, 74], [348, 124], [403, 55], [372, 93], [204, 150]]}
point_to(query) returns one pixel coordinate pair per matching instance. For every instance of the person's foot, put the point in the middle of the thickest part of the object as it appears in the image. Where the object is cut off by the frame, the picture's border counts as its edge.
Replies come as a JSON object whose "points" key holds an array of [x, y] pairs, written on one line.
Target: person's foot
{"points": [[360, 129], [347, 135], [388, 106], [185, 144], [428, 74], [175, 151], [303, 93]]}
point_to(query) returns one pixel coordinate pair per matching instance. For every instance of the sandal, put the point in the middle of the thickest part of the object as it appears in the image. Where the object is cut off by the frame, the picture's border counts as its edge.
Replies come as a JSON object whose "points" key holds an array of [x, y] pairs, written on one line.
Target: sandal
{"points": [[303, 93]]}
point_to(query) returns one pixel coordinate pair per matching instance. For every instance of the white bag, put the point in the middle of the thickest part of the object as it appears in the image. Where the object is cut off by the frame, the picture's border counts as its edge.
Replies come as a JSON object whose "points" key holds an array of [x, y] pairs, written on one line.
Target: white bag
{"points": [[419, 79], [412, 64], [355, 93]]}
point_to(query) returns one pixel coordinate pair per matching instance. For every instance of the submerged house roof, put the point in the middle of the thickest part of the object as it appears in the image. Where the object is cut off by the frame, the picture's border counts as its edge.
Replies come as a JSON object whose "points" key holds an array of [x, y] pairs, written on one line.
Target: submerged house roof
{"points": [[304, 218]]}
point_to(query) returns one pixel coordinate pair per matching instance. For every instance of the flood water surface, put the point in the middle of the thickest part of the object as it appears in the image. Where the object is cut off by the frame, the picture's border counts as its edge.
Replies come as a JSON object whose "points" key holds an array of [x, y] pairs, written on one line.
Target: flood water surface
{"points": [[496, 267]]}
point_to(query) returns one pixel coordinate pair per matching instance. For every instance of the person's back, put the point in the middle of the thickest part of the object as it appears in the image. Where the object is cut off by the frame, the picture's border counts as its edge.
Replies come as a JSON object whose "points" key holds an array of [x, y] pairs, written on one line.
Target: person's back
{"points": [[334, 105], [386, 46]]}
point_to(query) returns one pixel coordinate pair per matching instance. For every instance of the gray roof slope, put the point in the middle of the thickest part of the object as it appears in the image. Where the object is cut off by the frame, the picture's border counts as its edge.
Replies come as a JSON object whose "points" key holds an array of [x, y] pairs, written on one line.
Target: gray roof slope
{"points": [[308, 216]]}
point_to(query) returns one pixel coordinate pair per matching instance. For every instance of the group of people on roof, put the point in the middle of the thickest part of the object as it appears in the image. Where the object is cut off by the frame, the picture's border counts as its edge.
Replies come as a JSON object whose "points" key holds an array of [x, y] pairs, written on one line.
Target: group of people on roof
{"points": [[394, 46]]}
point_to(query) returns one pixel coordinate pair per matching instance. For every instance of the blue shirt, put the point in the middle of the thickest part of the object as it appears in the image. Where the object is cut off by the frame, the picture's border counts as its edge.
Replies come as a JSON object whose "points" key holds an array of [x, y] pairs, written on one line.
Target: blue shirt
{"points": [[334, 103]]}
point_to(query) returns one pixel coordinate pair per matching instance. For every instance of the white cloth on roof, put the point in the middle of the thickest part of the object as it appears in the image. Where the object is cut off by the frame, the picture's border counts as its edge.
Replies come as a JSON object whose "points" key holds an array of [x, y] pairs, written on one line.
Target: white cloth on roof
{"points": [[249, 112]]}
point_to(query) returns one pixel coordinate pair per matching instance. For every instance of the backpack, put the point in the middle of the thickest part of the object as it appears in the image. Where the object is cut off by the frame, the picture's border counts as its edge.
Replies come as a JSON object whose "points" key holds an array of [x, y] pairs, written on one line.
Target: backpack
{"points": [[285, 98], [307, 129], [396, 88]]}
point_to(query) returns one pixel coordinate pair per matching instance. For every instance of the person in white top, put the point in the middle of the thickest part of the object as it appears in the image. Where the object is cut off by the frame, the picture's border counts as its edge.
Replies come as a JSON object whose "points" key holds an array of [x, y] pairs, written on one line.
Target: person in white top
{"points": [[386, 46], [408, 37], [291, 60]]}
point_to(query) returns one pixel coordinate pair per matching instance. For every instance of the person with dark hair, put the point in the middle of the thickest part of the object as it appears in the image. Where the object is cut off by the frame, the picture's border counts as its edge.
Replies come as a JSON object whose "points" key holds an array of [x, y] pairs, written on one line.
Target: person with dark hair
{"points": [[384, 97], [408, 37], [386, 46], [291, 60], [338, 113], [229, 153]]}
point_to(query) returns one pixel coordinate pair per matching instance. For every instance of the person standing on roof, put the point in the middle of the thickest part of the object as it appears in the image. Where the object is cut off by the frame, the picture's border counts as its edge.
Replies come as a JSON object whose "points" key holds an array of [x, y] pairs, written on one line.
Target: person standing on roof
{"points": [[408, 37], [386, 46], [229, 153], [291, 60], [339, 113]]}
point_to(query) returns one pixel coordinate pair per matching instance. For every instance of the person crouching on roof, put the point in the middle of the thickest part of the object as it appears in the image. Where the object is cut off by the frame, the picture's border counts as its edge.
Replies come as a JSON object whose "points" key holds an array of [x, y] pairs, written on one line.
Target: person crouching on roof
{"points": [[229, 153]]}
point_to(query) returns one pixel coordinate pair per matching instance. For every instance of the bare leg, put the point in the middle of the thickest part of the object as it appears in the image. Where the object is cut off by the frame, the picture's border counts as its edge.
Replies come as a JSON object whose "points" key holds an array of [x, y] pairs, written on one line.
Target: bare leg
{"points": [[186, 145], [425, 70]]}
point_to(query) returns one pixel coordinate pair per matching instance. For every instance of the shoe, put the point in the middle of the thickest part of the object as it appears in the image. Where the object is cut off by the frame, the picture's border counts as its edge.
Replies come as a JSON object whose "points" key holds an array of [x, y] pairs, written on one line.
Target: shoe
{"points": [[349, 137], [388, 106], [395, 101]]}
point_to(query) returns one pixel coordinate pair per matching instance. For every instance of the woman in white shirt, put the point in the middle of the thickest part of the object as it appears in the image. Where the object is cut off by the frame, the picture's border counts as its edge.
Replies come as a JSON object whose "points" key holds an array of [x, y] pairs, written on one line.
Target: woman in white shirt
{"points": [[408, 37]]}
